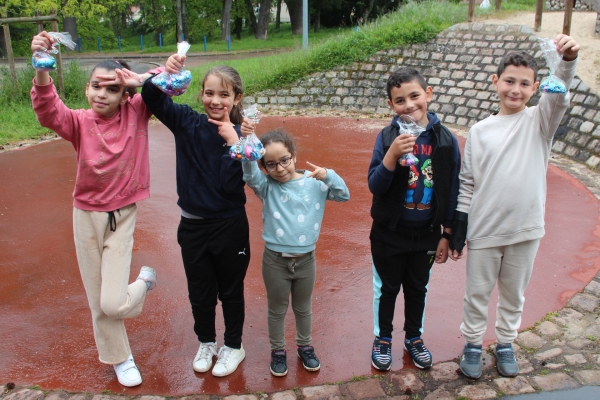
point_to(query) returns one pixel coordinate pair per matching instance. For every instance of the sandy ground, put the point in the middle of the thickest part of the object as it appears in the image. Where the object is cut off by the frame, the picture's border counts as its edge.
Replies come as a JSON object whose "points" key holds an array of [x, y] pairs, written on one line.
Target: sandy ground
{"points": [[583, 25]]}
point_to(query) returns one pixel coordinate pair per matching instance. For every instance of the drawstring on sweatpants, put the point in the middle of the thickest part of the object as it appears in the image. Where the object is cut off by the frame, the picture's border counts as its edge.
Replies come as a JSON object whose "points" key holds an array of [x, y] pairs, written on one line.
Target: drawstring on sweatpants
{"points": [[112, 221]]}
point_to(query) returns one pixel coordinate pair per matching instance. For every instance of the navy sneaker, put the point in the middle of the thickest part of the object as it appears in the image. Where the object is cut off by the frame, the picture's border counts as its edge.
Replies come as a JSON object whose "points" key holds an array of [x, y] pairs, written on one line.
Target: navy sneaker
{"points": [[419, 352], [470, 362], [279, 363], [310, 362], [381, 357], [506, 362]]}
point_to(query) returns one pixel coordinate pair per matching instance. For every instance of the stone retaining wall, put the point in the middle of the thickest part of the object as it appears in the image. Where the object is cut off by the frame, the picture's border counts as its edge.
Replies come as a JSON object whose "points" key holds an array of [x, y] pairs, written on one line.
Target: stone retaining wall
{"points": [[559, 5], [458, 64]]}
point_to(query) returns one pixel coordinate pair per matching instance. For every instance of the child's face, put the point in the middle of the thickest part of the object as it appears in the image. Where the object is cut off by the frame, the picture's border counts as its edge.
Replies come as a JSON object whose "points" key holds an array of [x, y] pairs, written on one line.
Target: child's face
{"points": [[280, 163], [216, 97], [104, 100], [514, 87], [411, 99]]}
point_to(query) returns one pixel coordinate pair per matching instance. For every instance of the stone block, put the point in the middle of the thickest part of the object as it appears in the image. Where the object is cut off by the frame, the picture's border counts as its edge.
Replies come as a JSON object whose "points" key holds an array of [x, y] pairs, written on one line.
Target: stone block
{"points": [[240, 397], [366, 389], [574, 359], [407, 381], [287, 395], [548, 328], [444, 371], [584, 302], [517, 385], [298, 91], [588, 377], [25, 394], [586, 127], [579, 343], [530, 340], [440, 394], [557, 381], [477, 392], [593, 288], [525, 366], [60, 395], [567, 316], [548, 354], [325, 392], [555, 365]]}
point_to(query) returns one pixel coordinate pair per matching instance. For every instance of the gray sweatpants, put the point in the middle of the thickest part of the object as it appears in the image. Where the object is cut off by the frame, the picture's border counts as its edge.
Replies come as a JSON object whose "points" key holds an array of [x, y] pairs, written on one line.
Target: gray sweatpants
{"points": [[282, 276], [511, 266]]}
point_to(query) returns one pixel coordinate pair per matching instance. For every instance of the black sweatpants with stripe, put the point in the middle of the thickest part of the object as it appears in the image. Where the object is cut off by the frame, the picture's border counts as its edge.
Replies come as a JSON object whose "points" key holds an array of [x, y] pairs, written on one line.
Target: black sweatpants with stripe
{"points": [[216, 254], [401, 259]]}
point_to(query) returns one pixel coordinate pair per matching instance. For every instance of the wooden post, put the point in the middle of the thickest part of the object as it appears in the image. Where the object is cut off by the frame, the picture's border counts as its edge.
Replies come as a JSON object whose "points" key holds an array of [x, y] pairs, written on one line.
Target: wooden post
{"points": [[39, 25], [471, 10], [539, 9], [59, 69], [498, 4], [568, 14], [9, 52]]}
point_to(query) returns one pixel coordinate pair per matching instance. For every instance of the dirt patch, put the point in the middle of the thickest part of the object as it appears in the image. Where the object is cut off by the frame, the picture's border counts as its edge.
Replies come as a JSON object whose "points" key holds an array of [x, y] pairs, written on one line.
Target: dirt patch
{"points": [[583, 29]]}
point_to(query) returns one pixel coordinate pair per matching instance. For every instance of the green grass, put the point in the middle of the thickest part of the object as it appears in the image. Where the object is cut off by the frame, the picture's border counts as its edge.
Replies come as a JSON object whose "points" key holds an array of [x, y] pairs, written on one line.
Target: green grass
{"points": [[413, 23]]}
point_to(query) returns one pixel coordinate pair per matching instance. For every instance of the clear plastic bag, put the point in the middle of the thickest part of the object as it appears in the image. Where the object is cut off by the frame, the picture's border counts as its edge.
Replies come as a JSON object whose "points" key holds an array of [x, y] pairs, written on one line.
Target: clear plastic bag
{"points": [[175, 84], [551, 83], [485, 4], [250, 147], [407, 124], [42, 60]]}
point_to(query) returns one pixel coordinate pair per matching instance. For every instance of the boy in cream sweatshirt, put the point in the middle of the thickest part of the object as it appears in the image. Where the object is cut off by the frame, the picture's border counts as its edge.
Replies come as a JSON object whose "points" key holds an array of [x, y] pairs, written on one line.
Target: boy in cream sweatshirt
{"points": [[506, 214]]}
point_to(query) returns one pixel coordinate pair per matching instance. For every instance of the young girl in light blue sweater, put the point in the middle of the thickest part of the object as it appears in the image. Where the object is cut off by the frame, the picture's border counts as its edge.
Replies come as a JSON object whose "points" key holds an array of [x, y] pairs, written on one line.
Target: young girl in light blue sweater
{"points": [[294, 203]]}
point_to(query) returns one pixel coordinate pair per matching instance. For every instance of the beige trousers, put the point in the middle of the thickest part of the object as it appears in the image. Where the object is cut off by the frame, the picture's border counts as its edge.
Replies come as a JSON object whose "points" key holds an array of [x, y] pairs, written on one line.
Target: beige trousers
{"points": [[511, 267], [104, 260]]}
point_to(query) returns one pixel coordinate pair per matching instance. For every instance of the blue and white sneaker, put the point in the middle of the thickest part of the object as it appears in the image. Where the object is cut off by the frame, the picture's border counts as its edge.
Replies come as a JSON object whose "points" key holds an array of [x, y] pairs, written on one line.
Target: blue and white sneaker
{"points": [[419, 352], [381, 357]]}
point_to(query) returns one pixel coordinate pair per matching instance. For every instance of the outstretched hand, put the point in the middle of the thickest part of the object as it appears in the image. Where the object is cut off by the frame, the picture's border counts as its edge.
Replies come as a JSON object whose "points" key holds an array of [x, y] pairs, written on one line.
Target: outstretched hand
{"points": [[318, 173], [226, 128], [41, 42], [124, 77], [567, 46], [248, 126], [175, 63]]}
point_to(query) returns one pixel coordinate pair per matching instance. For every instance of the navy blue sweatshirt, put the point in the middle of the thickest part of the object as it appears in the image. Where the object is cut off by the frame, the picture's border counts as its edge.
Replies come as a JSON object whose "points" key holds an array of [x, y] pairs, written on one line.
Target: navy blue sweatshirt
{"points": [[209, 181], [417, 209]]}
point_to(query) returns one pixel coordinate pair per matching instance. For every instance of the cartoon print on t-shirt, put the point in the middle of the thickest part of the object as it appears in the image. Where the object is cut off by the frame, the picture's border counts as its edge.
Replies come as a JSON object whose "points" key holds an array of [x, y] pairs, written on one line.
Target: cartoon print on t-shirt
{"points": [[413, 176], [427, 172]]}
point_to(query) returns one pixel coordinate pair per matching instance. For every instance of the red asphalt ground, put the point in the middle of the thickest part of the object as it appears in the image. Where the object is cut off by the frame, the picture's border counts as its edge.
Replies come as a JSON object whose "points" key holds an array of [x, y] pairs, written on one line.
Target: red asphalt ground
{"points": [[45, 324]]}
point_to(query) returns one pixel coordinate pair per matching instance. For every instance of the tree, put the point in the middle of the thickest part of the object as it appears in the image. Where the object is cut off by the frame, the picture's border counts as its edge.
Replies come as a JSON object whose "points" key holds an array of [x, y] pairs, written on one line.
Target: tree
{"points": [[251, 16], [226, 16], [295, 9], [264, 14]]}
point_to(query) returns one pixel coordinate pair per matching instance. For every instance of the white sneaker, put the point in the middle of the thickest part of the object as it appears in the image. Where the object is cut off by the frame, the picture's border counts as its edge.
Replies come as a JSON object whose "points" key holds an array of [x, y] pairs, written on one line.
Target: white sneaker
{"points": [[148, 275], [228, 360], [127, 373], [204, 358]]}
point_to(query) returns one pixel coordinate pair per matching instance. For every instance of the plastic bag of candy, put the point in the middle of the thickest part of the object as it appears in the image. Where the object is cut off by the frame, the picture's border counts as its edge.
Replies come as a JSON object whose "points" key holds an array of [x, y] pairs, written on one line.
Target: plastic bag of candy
{"points": [[407, 124], [551, 83], [175, 84], [42, 60], [249, 148], [485, 4]]}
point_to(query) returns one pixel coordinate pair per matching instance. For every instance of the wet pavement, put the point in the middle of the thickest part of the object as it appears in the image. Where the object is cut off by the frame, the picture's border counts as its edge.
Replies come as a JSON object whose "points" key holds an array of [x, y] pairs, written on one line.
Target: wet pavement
{"points": [[45, 325]]}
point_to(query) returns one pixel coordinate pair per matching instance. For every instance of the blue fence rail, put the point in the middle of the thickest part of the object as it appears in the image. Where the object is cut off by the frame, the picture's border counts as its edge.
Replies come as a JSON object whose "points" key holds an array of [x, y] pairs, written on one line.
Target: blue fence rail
{"points": [[120, 44]]}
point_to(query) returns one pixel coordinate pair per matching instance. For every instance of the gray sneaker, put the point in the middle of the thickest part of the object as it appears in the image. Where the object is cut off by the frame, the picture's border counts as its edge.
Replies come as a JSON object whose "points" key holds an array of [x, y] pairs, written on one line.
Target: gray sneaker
{"points": [[470, 362], [506, 361]]}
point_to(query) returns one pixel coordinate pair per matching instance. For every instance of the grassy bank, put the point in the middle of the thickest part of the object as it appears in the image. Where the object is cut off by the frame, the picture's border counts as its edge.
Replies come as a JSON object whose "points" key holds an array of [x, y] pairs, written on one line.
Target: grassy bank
{"points": [[413, 23]]}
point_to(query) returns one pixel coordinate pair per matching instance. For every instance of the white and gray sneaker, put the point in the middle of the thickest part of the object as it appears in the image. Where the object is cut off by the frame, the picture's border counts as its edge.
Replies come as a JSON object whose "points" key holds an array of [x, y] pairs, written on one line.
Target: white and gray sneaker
{"points": [[470, 362], [127, 372], [228, 360], [204, 358], [506, 362]]}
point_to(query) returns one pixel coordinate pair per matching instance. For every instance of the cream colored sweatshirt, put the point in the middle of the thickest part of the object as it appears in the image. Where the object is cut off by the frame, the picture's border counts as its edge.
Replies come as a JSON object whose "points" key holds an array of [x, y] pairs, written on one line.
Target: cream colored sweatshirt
{"points": [[503, 177]]}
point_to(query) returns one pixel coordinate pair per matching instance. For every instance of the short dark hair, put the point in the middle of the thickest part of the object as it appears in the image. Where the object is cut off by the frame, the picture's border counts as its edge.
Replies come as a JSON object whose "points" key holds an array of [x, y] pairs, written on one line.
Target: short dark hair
{"points": [[404, 75], [111, 65], [518, 59], [278, 136]]}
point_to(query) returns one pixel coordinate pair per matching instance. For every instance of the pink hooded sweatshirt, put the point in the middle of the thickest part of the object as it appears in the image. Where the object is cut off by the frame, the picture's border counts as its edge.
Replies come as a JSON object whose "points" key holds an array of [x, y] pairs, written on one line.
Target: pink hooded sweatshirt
{"points": [[113, 168]]}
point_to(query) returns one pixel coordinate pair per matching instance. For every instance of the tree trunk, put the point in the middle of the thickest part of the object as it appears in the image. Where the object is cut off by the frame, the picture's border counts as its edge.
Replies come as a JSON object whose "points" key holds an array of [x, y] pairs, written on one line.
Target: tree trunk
{"points": [[295, 9], [70, 25], [318, 7], [278, 15], [264, 13], [225, 28], [179, 29], [367, 12], [184, 20], [251, 16], [237, 28]]}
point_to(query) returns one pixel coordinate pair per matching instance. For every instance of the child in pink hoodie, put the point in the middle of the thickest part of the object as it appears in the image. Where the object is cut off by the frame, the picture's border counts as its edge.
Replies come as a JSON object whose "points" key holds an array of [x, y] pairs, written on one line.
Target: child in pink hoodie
{"points": [[113, 173]]}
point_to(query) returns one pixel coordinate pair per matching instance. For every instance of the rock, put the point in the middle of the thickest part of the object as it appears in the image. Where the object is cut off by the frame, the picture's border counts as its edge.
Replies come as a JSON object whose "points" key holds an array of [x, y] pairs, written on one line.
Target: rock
{"points": [[517, 385], [530, 339]]}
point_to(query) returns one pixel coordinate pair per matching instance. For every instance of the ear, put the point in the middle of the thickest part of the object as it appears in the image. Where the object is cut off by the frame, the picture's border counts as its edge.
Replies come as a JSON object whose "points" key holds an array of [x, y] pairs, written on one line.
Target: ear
{"points": [[536, 85], [428, 94], [495, 80], [124, 97], [87, 86], [389, 102], [237, 99]]}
